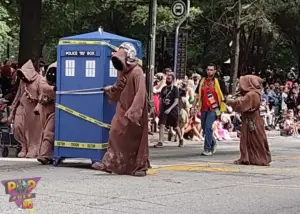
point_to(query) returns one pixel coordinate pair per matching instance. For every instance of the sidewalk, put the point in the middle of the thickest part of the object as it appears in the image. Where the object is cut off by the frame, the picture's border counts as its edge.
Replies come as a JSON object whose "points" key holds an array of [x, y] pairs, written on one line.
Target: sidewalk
{"points": [[270, 134]]}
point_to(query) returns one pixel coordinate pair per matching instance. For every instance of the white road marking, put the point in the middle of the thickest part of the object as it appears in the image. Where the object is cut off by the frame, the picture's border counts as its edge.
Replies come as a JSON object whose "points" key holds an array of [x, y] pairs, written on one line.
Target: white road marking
{"points": [[18, 159], [32, 160]]}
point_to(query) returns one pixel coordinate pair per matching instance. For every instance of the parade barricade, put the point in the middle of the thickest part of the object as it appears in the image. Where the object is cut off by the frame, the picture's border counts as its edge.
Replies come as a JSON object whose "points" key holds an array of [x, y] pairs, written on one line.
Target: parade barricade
{"points": [[83, 113]]}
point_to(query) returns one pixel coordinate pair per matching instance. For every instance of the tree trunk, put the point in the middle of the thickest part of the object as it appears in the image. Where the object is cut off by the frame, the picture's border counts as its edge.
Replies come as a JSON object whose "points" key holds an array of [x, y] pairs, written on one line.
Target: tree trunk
{"points": [[30, 27], [298, 62], [237, 50]]}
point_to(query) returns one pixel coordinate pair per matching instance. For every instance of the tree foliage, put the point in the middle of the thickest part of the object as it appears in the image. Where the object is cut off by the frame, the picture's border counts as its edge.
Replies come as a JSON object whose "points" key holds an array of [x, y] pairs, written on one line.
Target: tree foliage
{"points": [[5, 30], [269, 29]]}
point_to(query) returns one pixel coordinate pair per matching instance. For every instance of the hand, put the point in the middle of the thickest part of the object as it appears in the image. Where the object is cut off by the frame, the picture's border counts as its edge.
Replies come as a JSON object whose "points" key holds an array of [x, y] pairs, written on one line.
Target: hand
{"points": [[229, 97], [4, 120], [128, 118], [167, 111], [106, 88], [9, 119], [228, 101], [122, 82]]}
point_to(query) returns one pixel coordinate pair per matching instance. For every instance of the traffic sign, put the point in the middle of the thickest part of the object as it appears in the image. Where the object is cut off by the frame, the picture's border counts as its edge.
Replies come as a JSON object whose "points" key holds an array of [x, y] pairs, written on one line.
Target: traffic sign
{"points": [[178, 8]]}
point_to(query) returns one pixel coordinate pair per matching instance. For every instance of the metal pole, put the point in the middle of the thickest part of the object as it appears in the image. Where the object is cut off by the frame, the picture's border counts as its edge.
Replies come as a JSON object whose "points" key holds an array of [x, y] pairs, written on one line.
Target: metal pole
{"points": [[148, 48], [152, 51], [177, 34]]}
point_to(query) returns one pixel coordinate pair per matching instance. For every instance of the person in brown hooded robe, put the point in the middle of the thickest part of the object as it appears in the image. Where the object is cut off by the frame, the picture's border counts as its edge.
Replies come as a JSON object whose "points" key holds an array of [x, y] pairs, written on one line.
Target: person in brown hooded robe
{"points": [[254, 146], [46, 110], [128, 150], [27, 127]]}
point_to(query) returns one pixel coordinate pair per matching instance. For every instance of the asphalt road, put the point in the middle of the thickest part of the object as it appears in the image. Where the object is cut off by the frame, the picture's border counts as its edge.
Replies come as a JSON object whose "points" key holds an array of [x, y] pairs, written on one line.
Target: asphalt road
{"points": [[181, 181]]}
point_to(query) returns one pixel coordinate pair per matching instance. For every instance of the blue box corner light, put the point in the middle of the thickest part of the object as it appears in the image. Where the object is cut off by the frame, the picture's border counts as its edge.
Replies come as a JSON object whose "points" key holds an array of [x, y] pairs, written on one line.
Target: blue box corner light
{"points": [[83, 114]]}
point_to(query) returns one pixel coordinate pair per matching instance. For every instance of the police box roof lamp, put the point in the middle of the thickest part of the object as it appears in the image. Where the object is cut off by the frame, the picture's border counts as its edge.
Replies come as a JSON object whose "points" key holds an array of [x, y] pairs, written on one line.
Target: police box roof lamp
{"points": [[100, 29]]}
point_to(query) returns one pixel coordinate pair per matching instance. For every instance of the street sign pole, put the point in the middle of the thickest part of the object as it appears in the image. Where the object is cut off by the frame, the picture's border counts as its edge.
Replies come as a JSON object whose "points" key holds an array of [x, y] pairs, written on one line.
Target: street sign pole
{"points": [[177, 34]]}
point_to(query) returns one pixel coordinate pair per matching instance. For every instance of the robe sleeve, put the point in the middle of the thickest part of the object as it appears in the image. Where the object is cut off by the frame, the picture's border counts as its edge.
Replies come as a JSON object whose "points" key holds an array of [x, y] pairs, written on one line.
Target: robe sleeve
{"points": [[244, 104], [38, 106], [46, 95], [135, 112], [16, 101], [114, 92]]}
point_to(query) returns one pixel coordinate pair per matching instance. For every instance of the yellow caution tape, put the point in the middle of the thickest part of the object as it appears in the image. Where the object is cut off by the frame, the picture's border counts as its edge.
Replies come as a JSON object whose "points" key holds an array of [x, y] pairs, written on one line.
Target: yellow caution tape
{"points": [[82, 42], [80, 145], [82, 116]]}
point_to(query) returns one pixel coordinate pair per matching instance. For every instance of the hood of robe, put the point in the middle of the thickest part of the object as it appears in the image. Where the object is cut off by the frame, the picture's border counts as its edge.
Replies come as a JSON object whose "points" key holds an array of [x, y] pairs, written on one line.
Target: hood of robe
{"points": [[28, 71], [250, 83], [120, 62], [51, 74]]}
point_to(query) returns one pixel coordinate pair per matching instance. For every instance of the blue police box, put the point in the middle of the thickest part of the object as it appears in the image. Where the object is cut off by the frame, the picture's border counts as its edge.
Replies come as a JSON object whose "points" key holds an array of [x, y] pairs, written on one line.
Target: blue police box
{"points": [[83, 114]]}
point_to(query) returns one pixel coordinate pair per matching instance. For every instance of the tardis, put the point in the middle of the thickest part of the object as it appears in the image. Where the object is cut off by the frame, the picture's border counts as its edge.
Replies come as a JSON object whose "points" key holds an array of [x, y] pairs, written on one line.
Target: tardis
{"points": [[83, 113]]}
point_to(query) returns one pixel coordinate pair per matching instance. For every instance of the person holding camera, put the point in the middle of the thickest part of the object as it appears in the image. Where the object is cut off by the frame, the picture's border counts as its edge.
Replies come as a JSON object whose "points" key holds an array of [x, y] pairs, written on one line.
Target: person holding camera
{"points": [[169, 110]]}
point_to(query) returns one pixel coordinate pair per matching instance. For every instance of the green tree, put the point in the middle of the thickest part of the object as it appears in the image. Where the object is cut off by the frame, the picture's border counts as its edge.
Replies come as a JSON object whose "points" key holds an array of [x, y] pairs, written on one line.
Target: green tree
{"points": [[286, 15], [5, 30]]}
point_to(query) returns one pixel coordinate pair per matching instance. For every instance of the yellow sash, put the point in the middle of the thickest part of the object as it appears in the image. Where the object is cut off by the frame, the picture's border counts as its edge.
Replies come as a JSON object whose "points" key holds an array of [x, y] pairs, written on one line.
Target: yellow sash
{"points": [[219, 93]]}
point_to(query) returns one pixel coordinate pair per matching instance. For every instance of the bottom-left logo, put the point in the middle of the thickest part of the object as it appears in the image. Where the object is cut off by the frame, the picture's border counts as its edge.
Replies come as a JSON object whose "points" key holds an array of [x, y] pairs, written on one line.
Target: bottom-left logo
{"points": [[20, 191]]}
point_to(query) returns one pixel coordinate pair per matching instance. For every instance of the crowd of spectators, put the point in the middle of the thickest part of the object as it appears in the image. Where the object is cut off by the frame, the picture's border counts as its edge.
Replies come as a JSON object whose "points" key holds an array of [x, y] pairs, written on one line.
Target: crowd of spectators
{"points": [[189, 115], [280, 108]]}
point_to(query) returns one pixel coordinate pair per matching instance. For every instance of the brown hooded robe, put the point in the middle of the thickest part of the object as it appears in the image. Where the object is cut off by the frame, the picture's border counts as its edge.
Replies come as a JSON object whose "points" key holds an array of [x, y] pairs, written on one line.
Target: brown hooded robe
{"points": [[128, 150], [27, 126], [254, 146], [46, 109]]}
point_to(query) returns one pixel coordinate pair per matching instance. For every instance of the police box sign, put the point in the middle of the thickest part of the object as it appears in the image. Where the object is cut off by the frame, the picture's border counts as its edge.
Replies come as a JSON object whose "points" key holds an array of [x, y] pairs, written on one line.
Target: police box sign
{"points": [[80, 53]]}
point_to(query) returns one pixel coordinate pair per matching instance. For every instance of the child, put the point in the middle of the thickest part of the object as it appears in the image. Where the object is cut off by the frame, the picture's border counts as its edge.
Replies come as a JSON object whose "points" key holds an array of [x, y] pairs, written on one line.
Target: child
{"points": [[265, 113], [193, 127], [289, 123], [218, 131]]}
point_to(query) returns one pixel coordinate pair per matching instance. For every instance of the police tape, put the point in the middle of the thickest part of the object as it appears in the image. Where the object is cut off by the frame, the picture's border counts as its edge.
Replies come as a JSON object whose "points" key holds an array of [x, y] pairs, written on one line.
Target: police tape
{"points": [[80, 145], [82, 116], [82, 42]]}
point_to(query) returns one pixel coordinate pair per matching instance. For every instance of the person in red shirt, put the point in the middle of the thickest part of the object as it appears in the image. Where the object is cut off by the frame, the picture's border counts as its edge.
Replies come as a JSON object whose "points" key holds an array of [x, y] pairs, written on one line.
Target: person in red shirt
{"points": [[211, 103]]}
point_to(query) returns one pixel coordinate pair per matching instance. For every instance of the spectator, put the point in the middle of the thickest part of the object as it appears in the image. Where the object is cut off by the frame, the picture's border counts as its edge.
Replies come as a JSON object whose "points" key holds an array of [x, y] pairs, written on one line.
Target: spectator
{"points": [[6, 80], [289, 123], [169, 110], [284, 99], [291, 100], [295, 88], [211, 104], [192, 128], [219, 132], [266, 114]]}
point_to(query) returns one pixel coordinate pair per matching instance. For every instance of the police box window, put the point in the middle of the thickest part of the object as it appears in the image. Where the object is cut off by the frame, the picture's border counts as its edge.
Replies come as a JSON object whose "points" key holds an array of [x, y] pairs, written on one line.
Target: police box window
{"points": [[90, 68], [70, 68]]}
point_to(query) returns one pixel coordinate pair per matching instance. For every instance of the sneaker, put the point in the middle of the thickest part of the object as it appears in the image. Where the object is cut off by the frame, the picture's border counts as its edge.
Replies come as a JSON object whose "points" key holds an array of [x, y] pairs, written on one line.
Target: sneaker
{"points": [[180, 143], [206, 153], [159, 145], [214, 148]]}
